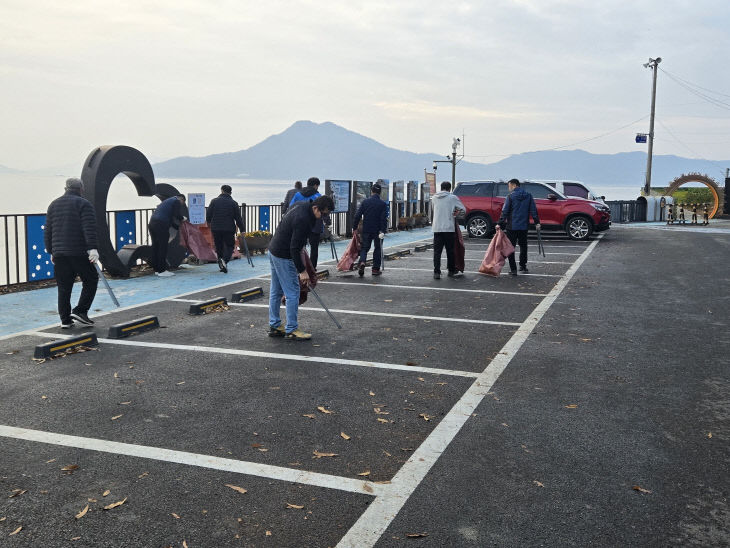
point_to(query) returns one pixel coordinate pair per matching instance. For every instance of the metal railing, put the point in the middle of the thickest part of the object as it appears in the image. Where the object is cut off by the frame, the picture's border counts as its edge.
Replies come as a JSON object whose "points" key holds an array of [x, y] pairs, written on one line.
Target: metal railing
{"points": [[627, 211]]}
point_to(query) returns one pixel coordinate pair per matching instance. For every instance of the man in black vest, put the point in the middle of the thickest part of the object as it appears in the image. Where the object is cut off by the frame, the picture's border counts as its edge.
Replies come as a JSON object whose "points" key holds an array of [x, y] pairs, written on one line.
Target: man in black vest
{"points": [[222, 217], [70, 238]]}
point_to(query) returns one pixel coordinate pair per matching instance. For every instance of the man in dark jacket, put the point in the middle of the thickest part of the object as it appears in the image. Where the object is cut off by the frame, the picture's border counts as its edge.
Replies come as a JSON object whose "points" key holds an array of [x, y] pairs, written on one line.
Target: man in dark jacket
{"points": [[70, 239], [289, 195], [287, 267], [374, 225], [222, 217], [310, 194], [169, 214], [518, 207]]}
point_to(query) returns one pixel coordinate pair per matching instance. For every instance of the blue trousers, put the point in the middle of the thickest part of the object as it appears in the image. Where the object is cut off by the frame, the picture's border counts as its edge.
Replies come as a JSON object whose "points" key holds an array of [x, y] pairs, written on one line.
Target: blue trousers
{"points": [[367, 239], [284, 282]]}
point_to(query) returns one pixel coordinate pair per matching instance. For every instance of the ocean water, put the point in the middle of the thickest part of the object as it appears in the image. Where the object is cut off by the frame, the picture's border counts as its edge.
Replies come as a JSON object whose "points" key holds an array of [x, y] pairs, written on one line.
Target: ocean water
{"points": [[27, 193]]}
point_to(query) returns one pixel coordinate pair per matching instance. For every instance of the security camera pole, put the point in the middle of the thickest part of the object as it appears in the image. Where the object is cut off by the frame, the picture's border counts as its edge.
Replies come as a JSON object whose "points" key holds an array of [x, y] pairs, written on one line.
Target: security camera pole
{"points": [[450, 160], [652, 64]]}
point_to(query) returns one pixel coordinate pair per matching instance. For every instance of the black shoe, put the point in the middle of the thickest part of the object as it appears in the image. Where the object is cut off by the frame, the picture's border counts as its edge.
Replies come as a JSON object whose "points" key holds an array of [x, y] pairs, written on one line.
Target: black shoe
{"points": [[376, 272], [361, 269], [68, 324], [437, 275], [82, 318], [513, 273], [524, 269], [222, 266]]}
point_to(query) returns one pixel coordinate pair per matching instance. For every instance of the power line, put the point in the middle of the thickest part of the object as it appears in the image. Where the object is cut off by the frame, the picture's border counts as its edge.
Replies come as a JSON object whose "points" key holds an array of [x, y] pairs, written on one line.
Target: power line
{"points": [[699, 157], [707, 98], [689, 82]]}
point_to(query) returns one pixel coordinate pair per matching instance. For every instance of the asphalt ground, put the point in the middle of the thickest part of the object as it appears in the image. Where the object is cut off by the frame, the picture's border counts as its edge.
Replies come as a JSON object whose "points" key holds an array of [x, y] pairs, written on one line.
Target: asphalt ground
{"points": [[583, 404]]}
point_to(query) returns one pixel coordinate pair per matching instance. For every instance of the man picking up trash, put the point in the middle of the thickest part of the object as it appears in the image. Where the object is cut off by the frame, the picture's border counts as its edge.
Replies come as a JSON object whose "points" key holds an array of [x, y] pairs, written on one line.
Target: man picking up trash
{"points": [[70, 238], [518, 207], [223, 216], [169, 214], [374, 225], [287, 268], [445, 207]]}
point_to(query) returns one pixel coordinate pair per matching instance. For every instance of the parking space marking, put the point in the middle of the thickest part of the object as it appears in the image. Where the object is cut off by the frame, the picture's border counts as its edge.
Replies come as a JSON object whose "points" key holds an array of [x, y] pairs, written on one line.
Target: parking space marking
{"points": [[380, 513], [365, 313], [530, 257], [194, 459], [382, 285], [431, 270], [274, 355]]}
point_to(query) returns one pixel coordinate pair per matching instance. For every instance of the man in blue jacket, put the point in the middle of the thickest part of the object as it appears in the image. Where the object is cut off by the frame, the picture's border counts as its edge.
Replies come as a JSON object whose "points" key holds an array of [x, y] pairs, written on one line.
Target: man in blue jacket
{"points": [[70, 238], [223, 216], [169, 214], [518, 207], [374, 225], [310, 194]]}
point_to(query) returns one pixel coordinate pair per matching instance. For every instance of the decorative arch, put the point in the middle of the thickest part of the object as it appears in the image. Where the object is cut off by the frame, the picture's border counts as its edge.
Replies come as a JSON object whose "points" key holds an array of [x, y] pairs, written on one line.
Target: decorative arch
{"points": [[706, 180]]}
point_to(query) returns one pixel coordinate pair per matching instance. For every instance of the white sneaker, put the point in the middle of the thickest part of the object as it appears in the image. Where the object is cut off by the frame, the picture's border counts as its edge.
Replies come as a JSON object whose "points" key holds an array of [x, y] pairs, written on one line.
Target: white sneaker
{"points": [[165, 274]]}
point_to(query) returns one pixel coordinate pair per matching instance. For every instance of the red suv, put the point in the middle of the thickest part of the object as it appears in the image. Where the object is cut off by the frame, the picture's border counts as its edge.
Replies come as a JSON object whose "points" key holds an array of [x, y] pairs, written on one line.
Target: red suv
{"points": [[578, 217]]}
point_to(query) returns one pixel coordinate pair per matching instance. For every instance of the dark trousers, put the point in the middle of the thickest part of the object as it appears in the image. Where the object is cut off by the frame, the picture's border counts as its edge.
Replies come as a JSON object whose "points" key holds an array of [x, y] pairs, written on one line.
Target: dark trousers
{"points": [[367, 239], [160, 233], [441, 240], [519, 236], [224, 240], [66, 269], [314, 247]]}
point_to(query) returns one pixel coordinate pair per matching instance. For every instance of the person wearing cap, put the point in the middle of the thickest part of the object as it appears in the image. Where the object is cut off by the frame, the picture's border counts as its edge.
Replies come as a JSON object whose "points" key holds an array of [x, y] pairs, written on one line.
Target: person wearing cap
{"points": [[309, 195], [223, 215], [70, 238], [169, 214], [374, 212]]}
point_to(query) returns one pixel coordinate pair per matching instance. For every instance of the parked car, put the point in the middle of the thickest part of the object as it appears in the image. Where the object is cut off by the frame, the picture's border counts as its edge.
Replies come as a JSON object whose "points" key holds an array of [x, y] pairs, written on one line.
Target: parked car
{"points": [[577, 217], [574, 189]]}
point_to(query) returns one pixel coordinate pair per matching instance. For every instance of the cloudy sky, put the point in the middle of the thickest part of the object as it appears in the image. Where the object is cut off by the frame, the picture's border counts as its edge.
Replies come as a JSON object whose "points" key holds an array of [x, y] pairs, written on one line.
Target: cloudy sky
{"points": [[194, 77]]}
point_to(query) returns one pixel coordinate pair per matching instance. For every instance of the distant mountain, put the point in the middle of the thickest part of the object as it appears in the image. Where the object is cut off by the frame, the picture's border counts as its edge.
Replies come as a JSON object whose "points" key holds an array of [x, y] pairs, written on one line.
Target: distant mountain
{"points": [[5, 169], [330, 152]]}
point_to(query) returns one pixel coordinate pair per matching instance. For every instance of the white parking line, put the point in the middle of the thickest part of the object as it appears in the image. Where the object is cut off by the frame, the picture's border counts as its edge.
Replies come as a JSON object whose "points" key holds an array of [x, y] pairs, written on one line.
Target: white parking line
{"points": [[382, 285], [273, 355], [431, 270], [194, 459], [381, 512], [531, 257], [366, 313]]}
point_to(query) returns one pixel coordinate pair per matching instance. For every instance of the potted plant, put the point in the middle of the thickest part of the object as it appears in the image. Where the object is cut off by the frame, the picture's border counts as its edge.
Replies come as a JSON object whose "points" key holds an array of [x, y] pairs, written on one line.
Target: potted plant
{"points": [[411, 222], [258, 240], [420, 219], [402, 223]]}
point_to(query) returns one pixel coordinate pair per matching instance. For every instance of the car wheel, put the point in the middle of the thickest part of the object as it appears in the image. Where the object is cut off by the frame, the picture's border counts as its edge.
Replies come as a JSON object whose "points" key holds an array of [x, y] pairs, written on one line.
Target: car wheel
{"points": [[478, 226], [579, 228]]}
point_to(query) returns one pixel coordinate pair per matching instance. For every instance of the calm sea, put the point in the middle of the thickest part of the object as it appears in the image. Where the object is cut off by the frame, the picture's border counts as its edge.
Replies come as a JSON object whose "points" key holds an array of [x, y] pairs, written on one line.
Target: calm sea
{"points": [[24, 193]]}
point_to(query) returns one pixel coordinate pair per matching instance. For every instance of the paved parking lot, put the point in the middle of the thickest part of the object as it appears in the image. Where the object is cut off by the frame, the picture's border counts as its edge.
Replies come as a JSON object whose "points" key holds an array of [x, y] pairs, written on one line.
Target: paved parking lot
{"points": [[416, 423]]}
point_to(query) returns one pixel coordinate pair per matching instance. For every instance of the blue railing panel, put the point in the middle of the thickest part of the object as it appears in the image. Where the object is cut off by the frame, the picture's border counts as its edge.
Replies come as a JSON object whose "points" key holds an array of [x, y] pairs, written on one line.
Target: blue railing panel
{"points": [[125, 228], [39, 265]]}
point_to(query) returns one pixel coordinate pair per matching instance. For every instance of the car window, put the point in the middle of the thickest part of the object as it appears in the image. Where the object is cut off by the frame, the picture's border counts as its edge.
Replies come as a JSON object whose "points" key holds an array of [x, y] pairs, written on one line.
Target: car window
{"points": [[571, 189], [539, 192], [474, 189], [501, 190]]}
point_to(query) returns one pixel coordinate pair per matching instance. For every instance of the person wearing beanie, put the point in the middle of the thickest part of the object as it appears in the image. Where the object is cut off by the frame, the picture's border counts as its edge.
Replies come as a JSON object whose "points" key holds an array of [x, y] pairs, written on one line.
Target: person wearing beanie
{"points": [[71, 240], [309, 195], [223, 215], [374, 213], [169, 214]]}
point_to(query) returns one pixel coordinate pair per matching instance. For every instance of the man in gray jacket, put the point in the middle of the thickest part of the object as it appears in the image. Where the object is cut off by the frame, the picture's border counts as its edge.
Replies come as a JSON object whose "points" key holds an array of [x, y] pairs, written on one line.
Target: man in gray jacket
{"points": [[70, 239], [445, 207]]}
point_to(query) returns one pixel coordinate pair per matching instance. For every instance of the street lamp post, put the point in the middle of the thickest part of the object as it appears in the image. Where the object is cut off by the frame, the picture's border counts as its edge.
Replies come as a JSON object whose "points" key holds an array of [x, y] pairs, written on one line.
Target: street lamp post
{"points": [[451, 159], [652, 64]]}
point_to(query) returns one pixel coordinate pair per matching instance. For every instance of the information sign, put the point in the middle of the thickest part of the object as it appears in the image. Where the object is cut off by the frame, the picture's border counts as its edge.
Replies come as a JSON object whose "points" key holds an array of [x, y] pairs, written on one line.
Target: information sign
{"points": [[196, 208], [340, 193]]}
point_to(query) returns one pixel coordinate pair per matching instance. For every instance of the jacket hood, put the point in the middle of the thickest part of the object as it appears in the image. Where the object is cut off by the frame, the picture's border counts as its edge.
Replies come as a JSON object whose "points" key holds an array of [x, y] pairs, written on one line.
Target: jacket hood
{"points": [[519, 194], [309, 191], [441, 194]]}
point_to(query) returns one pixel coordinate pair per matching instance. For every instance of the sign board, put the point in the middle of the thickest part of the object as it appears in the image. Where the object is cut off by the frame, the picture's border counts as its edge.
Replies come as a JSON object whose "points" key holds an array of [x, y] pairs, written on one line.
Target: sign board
{"points": [[641, 137], [362, 191], [340, 194], [425, 192], [398, 191], [196, 208], [413, 191], [431, 182], [385, 189]]}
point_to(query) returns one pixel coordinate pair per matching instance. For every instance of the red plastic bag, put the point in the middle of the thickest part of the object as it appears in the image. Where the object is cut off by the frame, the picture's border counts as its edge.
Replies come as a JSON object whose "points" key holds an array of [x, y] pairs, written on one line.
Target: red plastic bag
{"points": [[304, 286], [458, 248], [351, 256], [192, 239], [499, 249]]}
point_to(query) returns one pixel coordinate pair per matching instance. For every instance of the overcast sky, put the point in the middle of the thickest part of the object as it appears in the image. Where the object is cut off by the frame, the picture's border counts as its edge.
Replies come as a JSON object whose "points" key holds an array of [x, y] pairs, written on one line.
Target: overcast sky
{"points": [[194, 77]]}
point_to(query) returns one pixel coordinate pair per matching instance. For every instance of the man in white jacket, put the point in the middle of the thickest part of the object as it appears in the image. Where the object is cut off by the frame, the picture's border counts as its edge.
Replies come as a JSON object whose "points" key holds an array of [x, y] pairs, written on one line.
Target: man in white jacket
{"points": [[445, 207]]}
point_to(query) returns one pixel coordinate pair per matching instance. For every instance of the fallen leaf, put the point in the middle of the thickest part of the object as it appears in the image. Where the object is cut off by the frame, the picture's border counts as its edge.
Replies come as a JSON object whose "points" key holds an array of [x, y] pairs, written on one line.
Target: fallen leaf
{"points": [[75, 538], [318, 455], [421, 379], [268, 533], [379, 412], [372, 393], [237, 488], [537, 483], [105, 493], [117, 417], [365, 473], [382, 420], [44, 397], [257, 445], [425, 417], [50, 461], [116, 375], [125, 403], [83, 512], [91, 500], [386, 482], [70, 468], [323, 410], [416, 535], [344, 436], [442, 383], [18, 530], [143, 474], [263, 449], [17, 493], [709, 434], [572, 406], [388, 301], [316, 345], [179, 383], [174, 515], [294, 506], [3, 518], [185, 544], [309, 415], [505, 424], [640, 489], [115, 504], [411, 363]]}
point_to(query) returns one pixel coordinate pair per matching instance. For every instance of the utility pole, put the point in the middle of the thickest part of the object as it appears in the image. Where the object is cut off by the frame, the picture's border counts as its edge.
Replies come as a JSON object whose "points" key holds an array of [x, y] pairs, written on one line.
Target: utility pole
{"points": [[652, 64], [450, 160]]}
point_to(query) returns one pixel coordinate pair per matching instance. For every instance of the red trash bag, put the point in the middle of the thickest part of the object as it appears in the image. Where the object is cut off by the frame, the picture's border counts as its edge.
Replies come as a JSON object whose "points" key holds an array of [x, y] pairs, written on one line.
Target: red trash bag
{"points": [[193, 239], [458, 248], [304, 286], [351, 256], [499, 249]]}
